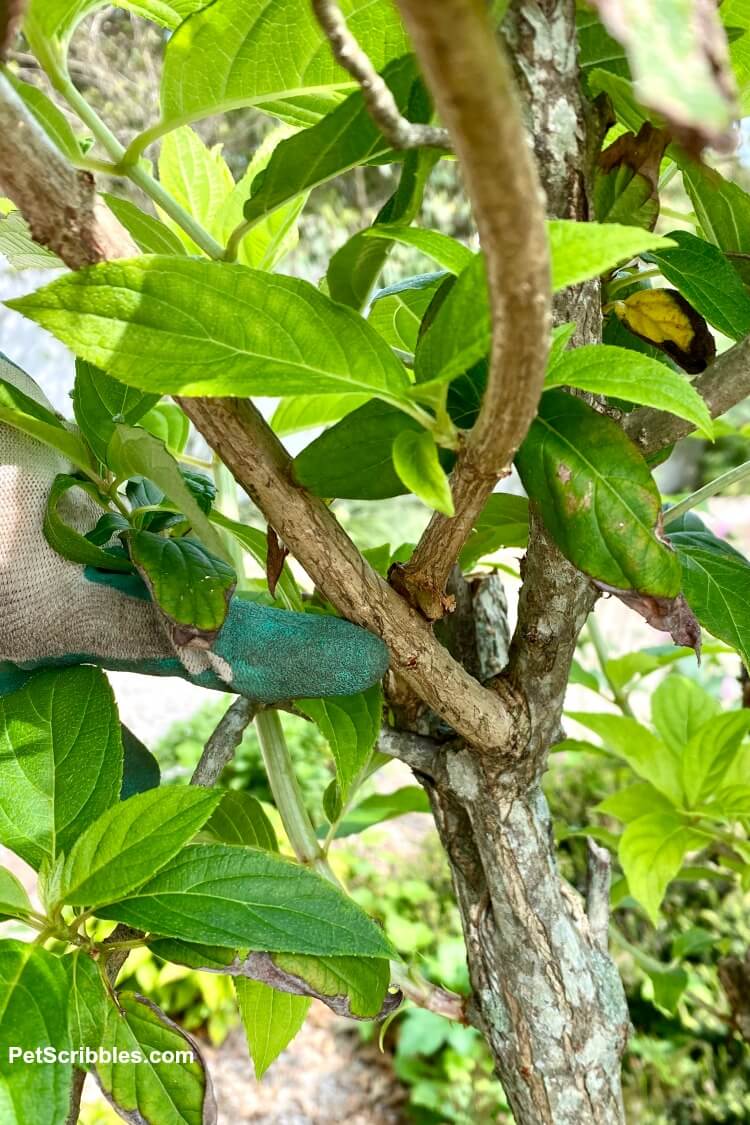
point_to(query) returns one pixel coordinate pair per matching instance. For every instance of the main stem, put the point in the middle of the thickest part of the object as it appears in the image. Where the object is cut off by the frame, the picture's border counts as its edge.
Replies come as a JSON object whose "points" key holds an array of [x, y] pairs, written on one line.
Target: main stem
{"points": [[285, 788]]}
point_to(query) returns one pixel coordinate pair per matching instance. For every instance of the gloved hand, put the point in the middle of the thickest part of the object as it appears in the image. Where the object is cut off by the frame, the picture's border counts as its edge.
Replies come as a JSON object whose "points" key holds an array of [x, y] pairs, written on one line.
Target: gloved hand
{"points": [[54, 612]]}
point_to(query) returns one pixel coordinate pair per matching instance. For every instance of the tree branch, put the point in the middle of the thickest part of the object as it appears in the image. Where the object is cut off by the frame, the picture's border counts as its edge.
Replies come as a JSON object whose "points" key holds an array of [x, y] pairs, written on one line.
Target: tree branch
{"points": [[473, 88], [381, 105], [220, 748], [722, 385]]}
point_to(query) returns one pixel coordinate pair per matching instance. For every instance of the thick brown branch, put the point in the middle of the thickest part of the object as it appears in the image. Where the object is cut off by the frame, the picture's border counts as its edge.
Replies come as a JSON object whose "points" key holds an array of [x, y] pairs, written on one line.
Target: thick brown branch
{"points": [[472, 84], [722, 385], [381, 105], [59, 204], [251, 451]]}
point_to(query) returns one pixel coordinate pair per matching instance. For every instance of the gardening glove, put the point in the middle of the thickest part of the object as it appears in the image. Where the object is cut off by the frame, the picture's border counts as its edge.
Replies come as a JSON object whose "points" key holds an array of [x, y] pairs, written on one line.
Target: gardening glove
{"points": [[57, 613]]}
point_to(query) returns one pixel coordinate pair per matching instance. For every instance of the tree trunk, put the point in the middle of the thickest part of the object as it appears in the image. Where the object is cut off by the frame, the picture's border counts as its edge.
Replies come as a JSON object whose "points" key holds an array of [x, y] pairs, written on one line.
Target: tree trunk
{"points": [[547, 996]]}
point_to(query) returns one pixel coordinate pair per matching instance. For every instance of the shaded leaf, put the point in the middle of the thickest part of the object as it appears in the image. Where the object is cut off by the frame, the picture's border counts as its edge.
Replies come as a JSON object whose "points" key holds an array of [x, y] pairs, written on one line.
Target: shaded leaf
{"points": [[380, 807], [140, 769], [150, 234], [350, 725], [14, 902], [503, 522], [396, 312], [627, 178], [99, 401], [71, 544], [239, 819], [417, 463]]}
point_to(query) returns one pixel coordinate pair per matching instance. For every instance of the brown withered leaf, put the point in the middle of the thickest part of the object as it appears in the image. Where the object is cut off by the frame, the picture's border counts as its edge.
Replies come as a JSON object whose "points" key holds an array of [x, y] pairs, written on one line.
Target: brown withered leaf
{"points": [[679, 59], [11, 14], [665, 319], [668, 615], [627, 178], [275, 558]]}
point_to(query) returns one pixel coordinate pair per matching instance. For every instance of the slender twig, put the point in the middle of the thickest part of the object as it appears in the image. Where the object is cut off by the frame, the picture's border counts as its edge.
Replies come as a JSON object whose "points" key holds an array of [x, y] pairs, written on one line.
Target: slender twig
{"points": [[599, 865], [76, 1093], [220, 748], [708, 490], [602, 656], [287, 795], [474, 92], [381, 105]]}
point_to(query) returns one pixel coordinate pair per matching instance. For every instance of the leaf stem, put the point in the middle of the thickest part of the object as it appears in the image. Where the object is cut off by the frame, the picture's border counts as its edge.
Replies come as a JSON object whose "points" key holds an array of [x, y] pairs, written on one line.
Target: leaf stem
{"points": [[710, 489], [602, 656], [285, 788], [135, 172], [623, 282]]}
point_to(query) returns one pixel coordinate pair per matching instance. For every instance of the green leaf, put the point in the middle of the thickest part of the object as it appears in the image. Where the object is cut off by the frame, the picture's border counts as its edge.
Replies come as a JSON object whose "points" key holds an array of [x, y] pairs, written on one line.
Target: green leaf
{"points": [[676, 58], [679, 708], [99, 401], [60, 760], [343, 139], [449, 253], [715, 584], [706, 279], [169, 424], [618, 372], [273, 237], [668, 983], [651, 852], [14, 902], [622, 669], [140, 769], [361, 982], [271, 1020], [580, 251], [21, 412], [131, 841], [307, 412], [380, 807], [634, 801], [52, 120], [150, 234], [165, 324], [68, 542], [133, 451], [396, 312], [19, 248], [191, 587], [646, 754], [56, 20], [619, 89], [709, 754], [416, 460], [33, 1013], [223, 894], [88, 1001], [350, 725], [255, 542], [721, 206], [270, 54], [239, 819], [152, 1093], [503, 522], [352, 459], [597, 496], [355, 267], [196, 177]]}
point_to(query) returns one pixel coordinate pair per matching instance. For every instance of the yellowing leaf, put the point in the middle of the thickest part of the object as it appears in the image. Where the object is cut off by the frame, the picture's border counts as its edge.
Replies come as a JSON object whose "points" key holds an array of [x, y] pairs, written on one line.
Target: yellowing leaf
{"points": [[664, 318]]}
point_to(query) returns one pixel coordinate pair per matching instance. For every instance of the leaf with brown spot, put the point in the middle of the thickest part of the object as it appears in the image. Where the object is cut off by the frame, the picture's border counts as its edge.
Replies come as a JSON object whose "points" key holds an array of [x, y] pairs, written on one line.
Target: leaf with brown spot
{"points": [[626, 181], [663, 318], [668, 615]]}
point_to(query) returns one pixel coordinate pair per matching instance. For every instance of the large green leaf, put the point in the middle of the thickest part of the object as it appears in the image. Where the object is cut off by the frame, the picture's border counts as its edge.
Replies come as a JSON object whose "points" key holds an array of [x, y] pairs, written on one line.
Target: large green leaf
{"points": [[350, 725], [33, 1013], [353, 459], [56, 20], [709, 754], [679, 708], [191, 587], [343, 139], [503, 522], [597, 496], [99, 400], [270, 54], [721, 206], [580, 251], [134, 452], [132, 841], [227, 895], [271, 1020], [197, 177], [646, 754], [705, 278], [146, 1091], [60, 760], [197, 327], [417, 463], [651, 852], [619, 372]]}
